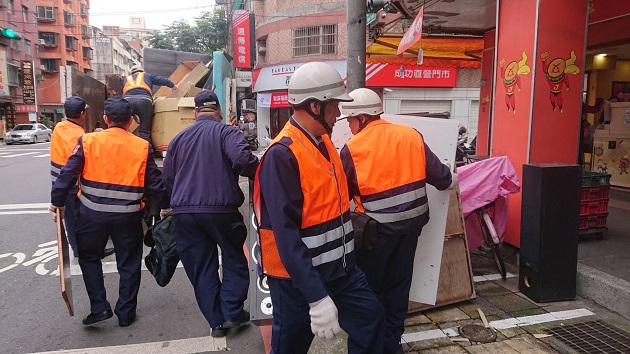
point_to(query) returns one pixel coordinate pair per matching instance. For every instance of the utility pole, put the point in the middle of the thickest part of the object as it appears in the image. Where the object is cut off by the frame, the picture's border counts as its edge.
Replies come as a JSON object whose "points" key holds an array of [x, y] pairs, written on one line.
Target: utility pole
{"points": [[356, 17]]}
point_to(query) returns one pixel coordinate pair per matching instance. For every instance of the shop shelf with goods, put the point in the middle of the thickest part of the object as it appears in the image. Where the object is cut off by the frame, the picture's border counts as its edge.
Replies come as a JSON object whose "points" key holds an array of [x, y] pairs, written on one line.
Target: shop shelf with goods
{"points": [[594, 203]]}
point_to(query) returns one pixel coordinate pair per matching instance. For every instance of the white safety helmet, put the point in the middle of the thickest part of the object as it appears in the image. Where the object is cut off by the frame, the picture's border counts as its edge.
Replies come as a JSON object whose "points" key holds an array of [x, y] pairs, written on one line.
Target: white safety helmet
{"points": [[317, 81], [365, 101]]}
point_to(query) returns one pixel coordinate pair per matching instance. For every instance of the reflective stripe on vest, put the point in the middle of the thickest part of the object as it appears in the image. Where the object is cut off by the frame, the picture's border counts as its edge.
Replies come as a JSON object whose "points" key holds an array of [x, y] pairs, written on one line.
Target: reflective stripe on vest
{"points": [[395, 193], [110, 182], [326, 227], [63, 141], [137, 83]]}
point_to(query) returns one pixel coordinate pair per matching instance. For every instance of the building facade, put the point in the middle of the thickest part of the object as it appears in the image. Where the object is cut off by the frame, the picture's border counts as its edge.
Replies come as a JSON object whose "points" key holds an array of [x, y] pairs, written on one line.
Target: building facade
{"points": [[64, 39], [18, 101], [112, 55]]}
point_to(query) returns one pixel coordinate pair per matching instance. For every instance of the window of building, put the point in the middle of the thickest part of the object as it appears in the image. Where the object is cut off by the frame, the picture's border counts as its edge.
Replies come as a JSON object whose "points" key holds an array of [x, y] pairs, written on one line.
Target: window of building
{"points": [[85, 31], [11, 8], [69, 19], [84, 10], [71, 43], [25, 14], [13, 75], [27, 47], [315, 40], [45, 13], [16, 44], [49, 38], [87, 53], [50, 64]]}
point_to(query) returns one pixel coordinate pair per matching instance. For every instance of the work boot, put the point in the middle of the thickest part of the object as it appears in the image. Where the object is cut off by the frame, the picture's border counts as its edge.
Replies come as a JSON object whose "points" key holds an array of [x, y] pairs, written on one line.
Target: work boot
{"points": [[239, 320], [218, 331], [108, 252]]}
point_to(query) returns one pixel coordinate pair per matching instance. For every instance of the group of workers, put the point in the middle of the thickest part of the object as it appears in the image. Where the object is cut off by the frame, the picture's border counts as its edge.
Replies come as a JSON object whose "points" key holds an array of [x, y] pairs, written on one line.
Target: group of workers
{"points": [[320, 281]]}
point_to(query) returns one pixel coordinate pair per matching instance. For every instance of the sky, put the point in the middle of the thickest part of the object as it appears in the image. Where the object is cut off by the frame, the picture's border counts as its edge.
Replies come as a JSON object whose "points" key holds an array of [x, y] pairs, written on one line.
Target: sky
{"points": [[156, 13]]}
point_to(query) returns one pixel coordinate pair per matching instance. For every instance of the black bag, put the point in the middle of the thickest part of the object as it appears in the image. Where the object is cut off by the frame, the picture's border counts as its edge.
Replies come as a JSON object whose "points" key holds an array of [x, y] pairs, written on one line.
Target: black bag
{"points": [[365, 231], [162, 259]]}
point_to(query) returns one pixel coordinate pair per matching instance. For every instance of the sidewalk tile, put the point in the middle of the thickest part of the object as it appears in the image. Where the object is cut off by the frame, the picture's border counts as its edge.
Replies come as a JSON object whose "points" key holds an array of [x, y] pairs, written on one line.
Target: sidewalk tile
{"points": [[451, 349], [457, 324], [420, 328], [446, 314], [512, 332], [510, 284], [488, 288], [511, 303], [339, 345], [470, 307], [427, 344], [528, 344], [528, 312], [496, 347], [416, 319]]}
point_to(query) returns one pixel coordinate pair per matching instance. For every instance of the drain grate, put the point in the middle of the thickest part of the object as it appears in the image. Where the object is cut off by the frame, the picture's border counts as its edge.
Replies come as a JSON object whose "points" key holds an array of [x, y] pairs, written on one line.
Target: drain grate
{"points": [[593, 337]]}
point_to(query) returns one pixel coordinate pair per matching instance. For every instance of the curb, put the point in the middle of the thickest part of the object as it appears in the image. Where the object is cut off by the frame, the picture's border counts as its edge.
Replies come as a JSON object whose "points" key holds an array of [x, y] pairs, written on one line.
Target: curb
{"points": [[606, 290]]}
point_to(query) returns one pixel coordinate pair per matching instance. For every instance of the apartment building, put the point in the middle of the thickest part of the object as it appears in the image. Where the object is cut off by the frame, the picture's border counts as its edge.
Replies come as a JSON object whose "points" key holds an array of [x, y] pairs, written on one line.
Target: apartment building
{"points": [[18, 63], [112, 55], [64, 39]]}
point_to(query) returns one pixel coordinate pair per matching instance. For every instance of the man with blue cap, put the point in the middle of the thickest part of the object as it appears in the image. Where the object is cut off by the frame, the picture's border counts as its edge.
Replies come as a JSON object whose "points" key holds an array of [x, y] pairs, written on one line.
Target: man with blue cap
{"points": [[201, 172], [110, 203]]}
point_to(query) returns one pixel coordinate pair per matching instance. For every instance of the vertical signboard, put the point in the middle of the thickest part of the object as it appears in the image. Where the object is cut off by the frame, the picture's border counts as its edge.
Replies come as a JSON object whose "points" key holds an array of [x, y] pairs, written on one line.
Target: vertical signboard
{"points": [[28, 83], [9, 112], [4, 78], [242, 39]]}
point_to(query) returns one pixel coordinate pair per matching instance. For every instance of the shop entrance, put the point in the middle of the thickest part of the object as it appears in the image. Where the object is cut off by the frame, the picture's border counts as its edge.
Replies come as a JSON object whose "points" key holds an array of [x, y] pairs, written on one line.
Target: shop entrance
{"points": [[279, 117]]}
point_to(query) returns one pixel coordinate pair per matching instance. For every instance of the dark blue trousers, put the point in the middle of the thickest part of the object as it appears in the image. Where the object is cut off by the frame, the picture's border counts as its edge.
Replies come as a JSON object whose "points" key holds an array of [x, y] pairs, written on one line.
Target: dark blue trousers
{"points": [[360, 315], [70, 220], [127, 238], [389, 270], [197, 238]]}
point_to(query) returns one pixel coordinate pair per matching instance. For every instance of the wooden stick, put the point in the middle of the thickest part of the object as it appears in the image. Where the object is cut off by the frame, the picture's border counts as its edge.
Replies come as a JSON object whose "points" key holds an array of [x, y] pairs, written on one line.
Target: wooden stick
{"points": [[483, 318]]}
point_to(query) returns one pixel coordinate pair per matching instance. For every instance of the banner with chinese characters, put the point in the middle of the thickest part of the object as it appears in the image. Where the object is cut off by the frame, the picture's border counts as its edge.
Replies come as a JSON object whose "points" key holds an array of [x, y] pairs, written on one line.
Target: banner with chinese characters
{"points": [[273, 99], [28, 83], [4, 78], [24, 108], [242, 39], [413, 34], [381, 75]]}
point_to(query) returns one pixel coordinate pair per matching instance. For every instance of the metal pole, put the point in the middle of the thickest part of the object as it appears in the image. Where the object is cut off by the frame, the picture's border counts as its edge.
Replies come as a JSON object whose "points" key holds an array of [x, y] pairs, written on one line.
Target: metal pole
{"points": [[356, 44]]}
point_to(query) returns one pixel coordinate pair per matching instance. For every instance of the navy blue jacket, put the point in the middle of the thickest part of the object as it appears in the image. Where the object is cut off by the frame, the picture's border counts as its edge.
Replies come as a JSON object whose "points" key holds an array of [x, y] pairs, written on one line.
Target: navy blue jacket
{"points": [[74, 167], [202, 166], [150, 80]]}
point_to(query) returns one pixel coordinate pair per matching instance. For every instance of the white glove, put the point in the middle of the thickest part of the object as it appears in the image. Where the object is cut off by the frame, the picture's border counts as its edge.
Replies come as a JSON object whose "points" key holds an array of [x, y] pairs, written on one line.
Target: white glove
{"points": [[53, 210], [324, 319], [174, 88], [454, 181]]}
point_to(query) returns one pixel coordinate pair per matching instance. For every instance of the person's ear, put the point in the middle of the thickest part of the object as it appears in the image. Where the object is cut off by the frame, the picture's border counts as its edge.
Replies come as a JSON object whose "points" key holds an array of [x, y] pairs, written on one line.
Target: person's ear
{"points": [[315, 107], [106, 119]]}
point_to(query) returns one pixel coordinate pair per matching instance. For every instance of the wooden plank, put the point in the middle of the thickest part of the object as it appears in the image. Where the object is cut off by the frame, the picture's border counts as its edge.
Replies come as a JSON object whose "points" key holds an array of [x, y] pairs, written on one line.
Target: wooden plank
{"points": [[186, 76], [64, 264]]}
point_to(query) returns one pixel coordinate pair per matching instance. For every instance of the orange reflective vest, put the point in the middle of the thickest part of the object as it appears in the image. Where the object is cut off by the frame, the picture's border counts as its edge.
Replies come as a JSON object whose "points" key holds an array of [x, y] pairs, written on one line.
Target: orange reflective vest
{"points": [[137, 83], [325, 227], [63, 141], [390, 165], [113, 174]]}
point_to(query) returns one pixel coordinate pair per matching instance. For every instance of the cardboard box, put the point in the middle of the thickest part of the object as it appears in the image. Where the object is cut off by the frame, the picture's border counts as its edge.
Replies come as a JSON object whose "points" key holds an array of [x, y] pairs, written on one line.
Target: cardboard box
{"points": [[186, 76], [172, 115]]}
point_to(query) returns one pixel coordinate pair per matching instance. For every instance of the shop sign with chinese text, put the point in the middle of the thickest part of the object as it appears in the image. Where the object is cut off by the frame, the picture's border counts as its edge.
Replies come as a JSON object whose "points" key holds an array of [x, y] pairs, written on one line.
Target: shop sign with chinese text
{"points": [[242, 39], [28, 83], [381, 75]]}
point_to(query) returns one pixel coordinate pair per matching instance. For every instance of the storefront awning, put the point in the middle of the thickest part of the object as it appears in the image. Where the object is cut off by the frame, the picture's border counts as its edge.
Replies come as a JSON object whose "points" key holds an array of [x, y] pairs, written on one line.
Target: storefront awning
{"points": [[443, 52]]}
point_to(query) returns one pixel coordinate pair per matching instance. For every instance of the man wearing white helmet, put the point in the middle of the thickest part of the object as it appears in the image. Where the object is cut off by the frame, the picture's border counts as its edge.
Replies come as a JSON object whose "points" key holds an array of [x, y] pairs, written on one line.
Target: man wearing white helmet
{"points": [[395, 196], [306, 240]]}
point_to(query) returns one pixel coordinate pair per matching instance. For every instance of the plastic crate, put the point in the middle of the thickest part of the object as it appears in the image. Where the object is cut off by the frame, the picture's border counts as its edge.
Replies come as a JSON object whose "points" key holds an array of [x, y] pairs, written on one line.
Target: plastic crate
{"points": [[593, 221], [592, 179], [594, 193], [589, 207]]}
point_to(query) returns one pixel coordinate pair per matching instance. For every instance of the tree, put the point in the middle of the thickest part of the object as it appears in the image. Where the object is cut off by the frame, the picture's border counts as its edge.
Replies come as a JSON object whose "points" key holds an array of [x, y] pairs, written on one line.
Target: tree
{"points": [[208, 33]]}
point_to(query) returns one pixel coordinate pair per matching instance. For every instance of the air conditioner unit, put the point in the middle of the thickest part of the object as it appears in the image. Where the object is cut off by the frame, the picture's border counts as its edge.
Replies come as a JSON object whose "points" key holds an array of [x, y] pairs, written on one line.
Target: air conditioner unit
{"points": [[248, 105], [41, 41]]}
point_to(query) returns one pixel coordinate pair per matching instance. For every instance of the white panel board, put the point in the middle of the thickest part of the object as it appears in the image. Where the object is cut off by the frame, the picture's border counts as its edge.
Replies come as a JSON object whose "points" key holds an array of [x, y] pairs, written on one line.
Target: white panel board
{"points": [[441, 136]]}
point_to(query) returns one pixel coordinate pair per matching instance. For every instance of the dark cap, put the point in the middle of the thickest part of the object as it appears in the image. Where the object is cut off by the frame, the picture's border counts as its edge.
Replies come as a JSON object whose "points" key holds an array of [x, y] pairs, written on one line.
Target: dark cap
{"points": [[117, 109], [73, 106], [206, 98]]}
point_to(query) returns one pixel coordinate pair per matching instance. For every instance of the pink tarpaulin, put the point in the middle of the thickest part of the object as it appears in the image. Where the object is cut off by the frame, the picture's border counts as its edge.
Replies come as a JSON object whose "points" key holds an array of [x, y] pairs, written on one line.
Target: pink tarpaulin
{"points": [[480, 184]]}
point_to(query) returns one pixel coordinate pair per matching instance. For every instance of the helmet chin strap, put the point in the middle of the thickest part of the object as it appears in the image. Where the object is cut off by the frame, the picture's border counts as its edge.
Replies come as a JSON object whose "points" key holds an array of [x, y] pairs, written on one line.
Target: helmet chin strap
{"points": [[320, 117]]}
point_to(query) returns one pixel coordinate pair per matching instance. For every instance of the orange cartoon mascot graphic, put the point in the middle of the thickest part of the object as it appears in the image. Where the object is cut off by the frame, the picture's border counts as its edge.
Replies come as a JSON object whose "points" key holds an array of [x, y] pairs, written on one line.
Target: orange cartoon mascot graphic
{"points": [[511, 79], [555, 71]]}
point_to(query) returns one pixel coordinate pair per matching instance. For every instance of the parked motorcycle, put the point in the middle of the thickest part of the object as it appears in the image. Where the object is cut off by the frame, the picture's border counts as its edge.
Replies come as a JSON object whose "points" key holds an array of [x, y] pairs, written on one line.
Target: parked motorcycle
{"points": [[252, 140]]}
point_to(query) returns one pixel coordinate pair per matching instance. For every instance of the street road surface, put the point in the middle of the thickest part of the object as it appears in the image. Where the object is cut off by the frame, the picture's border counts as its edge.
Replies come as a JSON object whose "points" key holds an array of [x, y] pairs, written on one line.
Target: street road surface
{"points": [[33, 316]]}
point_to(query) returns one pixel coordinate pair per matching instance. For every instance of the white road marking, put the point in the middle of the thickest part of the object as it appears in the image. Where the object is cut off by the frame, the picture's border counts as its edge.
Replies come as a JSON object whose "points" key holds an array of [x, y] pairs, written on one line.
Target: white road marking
{"points": [[26, 153], [190, 345], [489, 277], [13, 149], [4, 153], [24, 212], [502, 324], [44, 155], [24, 206]]}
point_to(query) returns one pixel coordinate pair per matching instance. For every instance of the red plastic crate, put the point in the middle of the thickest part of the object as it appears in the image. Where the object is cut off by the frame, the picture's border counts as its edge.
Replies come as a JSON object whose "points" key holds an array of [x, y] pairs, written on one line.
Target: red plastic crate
{"points": [[588, 207], [592, 221], [594, 193]]}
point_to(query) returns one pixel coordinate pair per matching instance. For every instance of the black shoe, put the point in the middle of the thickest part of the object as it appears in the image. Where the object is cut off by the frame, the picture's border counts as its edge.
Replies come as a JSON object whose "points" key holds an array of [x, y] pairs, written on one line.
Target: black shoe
{"points": [[128, 322], [108, 252], [218, 331], [97, 317], [239, 320]]}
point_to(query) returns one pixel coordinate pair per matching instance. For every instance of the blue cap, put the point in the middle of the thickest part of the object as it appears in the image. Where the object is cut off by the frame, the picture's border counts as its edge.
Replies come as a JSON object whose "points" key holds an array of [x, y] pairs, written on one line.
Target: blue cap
{"points": [[73, 106], [206, 98], [117, 108]]}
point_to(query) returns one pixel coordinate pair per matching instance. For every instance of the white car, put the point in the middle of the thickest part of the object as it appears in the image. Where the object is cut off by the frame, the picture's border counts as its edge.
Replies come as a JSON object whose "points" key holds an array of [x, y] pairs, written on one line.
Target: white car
{"points": [[28, 133]]}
